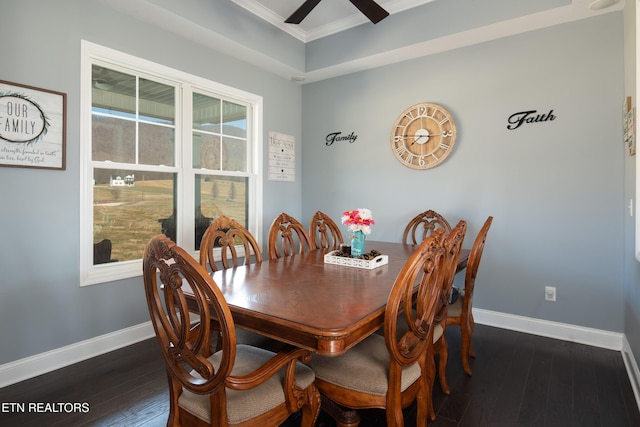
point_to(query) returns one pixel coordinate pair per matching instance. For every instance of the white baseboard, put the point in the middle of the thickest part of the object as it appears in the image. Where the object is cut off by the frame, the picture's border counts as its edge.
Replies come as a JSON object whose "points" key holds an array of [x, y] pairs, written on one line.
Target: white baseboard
{"points": [[39, 364], [29, 367], [566, 332], [545, 328], [632, 369]]}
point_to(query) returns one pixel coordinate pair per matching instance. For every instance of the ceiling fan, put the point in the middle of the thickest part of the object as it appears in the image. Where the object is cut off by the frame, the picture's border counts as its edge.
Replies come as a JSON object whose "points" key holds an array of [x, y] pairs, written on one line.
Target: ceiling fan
{"points": [[369, 8]]}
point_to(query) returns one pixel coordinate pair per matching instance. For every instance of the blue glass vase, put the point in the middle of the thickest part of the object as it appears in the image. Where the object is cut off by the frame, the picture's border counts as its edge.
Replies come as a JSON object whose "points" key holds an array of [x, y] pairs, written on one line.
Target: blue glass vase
{"points": [[357, 244]]}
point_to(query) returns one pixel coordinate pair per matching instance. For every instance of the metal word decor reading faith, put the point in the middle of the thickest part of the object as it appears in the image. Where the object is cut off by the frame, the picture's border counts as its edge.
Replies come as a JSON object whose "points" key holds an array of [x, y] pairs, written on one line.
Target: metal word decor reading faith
{"points": [[338, 136], [524, 117], [32, 127]]}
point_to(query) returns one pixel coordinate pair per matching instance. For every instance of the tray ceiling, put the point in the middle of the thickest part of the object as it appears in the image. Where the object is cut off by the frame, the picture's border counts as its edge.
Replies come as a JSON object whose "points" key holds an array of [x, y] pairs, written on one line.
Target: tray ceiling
{"points": [[328, 17]]}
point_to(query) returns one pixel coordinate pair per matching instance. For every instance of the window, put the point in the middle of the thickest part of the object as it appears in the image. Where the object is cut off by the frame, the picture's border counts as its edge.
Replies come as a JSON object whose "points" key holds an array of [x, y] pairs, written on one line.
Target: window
{"points": [[162, 152]]}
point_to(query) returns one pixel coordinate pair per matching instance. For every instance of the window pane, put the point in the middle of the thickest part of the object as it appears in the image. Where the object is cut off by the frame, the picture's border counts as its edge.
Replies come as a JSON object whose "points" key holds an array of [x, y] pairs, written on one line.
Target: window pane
{"points": [[113, 92], [137, 124], [157, 102], [113, 139], [218, 195], [236, 158], [208, 152], [234, 120], [157, 145], [130, 207], [206, 113]]}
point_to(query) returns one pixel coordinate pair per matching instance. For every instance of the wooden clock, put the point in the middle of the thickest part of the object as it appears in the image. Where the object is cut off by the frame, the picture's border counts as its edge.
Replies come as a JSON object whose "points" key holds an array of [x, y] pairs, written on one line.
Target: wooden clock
{"points": [[423, 135]]}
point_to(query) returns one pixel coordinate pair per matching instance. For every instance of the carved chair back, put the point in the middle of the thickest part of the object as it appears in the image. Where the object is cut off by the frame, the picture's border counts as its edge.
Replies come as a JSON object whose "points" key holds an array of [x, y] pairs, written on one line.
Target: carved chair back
{"points": [[452, 245], [287, 236], [324, 232], [423, 225], [422, 271], [460, 313], [391, 372], [474, 258], [229, 236], [180, 292]]}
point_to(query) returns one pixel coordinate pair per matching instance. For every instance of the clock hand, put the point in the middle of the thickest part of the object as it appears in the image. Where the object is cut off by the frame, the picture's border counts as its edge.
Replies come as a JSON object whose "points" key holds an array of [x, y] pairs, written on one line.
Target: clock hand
{"points": [[447, 133]]}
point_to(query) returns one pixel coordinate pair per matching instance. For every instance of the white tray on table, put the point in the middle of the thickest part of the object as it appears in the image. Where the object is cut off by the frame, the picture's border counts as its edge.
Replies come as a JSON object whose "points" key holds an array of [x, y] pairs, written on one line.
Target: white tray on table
{"points": [[368, 264]]}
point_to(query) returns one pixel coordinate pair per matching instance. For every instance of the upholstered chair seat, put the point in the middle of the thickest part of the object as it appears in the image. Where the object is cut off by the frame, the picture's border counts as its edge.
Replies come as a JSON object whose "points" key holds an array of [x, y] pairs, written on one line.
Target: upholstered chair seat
{"points": [[455, 309], [393, 369], [370, 359], [246, 404], [238, 385]]}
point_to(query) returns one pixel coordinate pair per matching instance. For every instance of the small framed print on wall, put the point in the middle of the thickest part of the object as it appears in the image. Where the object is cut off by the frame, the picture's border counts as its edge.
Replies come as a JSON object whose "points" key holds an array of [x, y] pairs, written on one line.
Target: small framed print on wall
{"points": [[32, 127], [630, 127]]}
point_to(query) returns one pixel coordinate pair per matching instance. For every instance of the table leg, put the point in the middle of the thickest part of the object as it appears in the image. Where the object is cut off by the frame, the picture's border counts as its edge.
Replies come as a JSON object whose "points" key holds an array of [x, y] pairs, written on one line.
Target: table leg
{"points": [[344, 417]]}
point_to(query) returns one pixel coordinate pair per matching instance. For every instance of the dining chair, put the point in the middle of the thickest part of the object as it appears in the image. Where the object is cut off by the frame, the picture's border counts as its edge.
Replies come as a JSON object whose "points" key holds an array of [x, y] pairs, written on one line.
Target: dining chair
{"points": [[239, 385], [324, 232], [389, 370], [102, 252], [460, 313], [423, 225], [228, 235], [452, 246], [287, 236]]}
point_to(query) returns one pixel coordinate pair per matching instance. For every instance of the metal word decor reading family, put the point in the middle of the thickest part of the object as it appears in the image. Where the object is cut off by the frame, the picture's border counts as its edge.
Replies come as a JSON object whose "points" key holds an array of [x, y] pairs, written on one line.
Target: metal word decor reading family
{"points": [[339, 137]]}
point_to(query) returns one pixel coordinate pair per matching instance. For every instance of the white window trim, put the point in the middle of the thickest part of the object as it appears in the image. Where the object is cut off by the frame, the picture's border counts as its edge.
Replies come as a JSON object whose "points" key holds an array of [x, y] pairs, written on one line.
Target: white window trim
{"points": [[93, 274]]}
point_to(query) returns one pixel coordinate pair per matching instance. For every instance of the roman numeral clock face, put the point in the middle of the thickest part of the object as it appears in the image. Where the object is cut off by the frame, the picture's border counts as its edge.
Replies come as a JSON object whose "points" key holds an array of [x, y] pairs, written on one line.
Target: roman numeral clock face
{"points": [[423, 136]]}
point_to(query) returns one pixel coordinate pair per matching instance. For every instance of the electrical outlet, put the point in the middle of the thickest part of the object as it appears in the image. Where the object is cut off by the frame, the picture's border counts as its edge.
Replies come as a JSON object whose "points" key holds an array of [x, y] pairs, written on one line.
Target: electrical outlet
{"points": [[549, 293]]}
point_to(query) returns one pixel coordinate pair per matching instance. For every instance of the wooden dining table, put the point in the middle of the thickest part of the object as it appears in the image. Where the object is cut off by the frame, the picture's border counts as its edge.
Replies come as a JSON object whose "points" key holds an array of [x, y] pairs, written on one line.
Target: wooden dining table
{"points": [[300, 300]]}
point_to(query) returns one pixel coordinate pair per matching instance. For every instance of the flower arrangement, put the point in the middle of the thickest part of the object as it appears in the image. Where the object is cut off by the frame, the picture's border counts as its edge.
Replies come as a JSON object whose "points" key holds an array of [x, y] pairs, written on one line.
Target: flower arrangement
{"points": [[358, 220]]}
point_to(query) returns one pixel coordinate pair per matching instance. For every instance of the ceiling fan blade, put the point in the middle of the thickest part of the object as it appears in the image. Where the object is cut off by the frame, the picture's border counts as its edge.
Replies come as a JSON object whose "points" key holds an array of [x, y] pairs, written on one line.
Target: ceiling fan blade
{"points": [[302, 12], [371, 10]]}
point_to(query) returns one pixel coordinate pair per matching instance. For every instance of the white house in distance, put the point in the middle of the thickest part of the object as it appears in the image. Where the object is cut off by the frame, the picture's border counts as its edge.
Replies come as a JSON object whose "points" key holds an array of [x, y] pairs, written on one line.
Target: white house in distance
{"points": [[119, 182]]}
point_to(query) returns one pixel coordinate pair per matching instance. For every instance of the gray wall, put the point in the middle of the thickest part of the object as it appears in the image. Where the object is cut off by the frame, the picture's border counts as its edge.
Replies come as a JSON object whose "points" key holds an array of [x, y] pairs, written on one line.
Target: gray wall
{"points": [[554, 188], [632, 266], [557, 190], [42, 306]]}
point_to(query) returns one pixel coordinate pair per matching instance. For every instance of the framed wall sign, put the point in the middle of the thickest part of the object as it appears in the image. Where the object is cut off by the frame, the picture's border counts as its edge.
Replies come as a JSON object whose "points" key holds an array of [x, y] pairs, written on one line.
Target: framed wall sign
{"points": [[629, 127], [282, 157], [32, 127]]}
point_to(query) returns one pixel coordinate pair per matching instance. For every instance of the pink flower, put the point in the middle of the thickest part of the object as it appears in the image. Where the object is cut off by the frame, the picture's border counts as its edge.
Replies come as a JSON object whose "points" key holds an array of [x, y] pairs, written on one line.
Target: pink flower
{"points": [[358, 220]]}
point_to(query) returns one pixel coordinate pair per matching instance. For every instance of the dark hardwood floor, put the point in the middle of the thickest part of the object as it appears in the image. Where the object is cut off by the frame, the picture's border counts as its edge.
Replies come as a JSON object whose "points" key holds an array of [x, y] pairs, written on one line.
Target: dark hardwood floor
{"points": [[518, 380]]}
